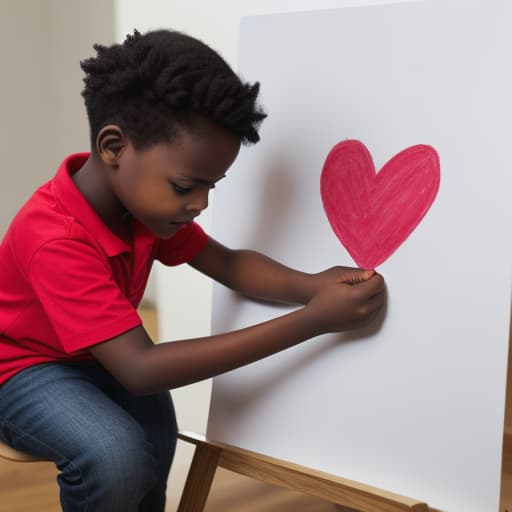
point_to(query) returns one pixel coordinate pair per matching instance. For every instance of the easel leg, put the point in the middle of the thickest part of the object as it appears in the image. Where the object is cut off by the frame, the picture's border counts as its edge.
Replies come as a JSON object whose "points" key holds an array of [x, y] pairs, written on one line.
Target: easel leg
{"points": [[199, 479], [352, 495]]}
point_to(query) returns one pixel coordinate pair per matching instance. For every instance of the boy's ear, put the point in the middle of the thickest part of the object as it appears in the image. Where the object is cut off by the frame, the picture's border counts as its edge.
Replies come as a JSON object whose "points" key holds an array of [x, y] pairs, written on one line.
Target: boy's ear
{"points": [[110, 143]]}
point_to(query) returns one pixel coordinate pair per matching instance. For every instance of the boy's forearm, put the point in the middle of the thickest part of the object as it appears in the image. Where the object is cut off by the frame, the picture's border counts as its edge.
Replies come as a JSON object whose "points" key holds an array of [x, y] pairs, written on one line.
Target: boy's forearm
{"points": [[258, 276], [175, 364], [143, 367]]}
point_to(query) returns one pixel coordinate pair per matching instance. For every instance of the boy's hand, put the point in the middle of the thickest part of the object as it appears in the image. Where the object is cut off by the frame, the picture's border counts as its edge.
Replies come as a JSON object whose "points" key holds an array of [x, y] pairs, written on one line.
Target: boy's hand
{"points": [[348, 299]]}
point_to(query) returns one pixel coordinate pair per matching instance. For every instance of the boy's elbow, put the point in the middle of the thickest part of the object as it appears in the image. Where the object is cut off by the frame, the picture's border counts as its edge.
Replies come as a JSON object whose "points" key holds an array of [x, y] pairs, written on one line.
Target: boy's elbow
{"points": [[138, 387], [140, 377], [133, 380], [146, 375], [128, 359]]}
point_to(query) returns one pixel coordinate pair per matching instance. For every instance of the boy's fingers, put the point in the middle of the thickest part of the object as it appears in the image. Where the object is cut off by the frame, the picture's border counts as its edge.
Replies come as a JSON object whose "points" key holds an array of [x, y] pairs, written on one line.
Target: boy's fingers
{"points": [[375, 302], [372, 286], [357, 276], [367, 274]]}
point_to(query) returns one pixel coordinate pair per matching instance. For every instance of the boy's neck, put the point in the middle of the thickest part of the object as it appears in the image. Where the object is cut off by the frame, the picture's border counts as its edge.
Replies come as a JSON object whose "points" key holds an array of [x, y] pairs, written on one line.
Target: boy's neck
{"points": [[92, 181]]}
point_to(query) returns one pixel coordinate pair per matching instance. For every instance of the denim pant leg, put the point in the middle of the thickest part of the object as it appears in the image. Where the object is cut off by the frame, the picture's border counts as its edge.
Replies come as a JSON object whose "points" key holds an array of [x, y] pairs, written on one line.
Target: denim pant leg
{"points": [[113, 449], [155, 413]]}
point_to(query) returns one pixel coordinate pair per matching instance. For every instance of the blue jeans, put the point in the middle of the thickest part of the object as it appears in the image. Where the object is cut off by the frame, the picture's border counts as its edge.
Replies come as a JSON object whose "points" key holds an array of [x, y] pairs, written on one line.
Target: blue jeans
{"points": [[114, 450]]}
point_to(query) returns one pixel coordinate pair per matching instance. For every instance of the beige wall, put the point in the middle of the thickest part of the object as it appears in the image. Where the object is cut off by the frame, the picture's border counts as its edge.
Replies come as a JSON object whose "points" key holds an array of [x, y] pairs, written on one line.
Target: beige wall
{"points": [[42, 113]]}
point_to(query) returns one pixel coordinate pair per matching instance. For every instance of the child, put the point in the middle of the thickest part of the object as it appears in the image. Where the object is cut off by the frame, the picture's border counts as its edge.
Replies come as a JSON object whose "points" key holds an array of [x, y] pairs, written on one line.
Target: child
{"points": [[82, 383]]}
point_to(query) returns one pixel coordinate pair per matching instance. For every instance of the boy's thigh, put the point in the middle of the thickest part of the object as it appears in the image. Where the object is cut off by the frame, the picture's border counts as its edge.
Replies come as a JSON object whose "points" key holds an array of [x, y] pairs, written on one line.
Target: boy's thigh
{"points": [[61, 411]]}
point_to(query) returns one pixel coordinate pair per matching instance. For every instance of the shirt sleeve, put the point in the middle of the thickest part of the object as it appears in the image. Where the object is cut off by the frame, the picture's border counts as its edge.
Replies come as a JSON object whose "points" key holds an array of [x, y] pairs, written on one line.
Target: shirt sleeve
{"points": [[77, 291], [184, 246]]}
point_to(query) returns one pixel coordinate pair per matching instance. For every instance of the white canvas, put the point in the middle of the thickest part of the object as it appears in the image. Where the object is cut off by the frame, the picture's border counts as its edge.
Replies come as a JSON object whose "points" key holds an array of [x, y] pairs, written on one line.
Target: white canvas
{"points": [[416, 405]]}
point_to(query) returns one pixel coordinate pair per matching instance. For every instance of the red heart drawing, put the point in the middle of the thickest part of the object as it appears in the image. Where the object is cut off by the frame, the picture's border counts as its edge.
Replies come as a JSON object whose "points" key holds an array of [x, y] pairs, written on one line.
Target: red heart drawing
{"points": [[372, 213]]}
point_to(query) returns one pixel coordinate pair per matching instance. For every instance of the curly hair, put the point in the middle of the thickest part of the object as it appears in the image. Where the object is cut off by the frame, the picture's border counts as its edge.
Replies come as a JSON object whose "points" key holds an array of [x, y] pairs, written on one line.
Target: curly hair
{"points": [[151, 84]]}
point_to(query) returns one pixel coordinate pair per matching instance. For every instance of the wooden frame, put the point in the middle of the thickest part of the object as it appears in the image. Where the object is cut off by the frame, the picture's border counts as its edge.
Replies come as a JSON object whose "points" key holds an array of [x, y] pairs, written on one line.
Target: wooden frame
{"points": [[506, 481], [351, 496], [506, 465]]}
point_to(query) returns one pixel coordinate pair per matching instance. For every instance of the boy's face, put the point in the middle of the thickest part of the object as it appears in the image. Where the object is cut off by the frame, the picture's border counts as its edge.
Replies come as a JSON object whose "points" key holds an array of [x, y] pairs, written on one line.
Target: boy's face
{"points": [[167, 185]]}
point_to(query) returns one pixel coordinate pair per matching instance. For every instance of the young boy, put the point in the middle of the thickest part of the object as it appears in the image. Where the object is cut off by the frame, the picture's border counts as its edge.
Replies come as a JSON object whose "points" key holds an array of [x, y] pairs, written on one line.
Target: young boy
{"points": [[81, 382]]}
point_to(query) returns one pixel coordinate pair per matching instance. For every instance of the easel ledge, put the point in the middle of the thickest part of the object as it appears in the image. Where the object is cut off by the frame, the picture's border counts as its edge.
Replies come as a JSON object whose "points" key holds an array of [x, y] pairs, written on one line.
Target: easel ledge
{"points": [[353, 495]]}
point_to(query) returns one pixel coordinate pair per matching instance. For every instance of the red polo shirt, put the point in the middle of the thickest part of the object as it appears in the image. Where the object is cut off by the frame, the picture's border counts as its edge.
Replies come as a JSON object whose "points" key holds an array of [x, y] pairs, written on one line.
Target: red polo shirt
{"points": [[67, 282]]}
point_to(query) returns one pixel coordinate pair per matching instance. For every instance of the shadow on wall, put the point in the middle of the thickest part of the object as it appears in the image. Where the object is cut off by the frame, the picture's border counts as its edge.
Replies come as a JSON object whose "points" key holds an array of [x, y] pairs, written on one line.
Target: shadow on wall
{"points": [[278, 194], [267, 230], [246, 397]]}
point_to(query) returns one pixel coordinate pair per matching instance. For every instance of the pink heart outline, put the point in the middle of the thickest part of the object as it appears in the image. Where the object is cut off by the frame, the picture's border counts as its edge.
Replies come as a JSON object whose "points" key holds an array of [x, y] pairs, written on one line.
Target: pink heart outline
{"points": [[371, 213]]}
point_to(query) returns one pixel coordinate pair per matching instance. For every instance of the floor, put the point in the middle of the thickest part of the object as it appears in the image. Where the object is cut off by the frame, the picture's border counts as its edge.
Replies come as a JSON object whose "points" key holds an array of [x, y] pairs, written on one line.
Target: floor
{"points": [[29, 487]]}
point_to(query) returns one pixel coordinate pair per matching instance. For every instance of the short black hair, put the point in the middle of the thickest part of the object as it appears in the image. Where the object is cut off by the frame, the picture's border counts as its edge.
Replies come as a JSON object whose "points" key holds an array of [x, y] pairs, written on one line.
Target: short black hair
{"points": [[153, 83]]}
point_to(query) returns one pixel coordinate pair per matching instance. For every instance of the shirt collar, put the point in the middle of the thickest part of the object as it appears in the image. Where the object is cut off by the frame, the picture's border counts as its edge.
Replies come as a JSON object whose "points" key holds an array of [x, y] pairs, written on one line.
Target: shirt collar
{"points": [[68, 195]]}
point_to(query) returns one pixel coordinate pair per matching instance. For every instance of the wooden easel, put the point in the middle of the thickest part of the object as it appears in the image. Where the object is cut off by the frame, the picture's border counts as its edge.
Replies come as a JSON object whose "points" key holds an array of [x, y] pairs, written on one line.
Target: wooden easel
{"points": [[352, 496]]}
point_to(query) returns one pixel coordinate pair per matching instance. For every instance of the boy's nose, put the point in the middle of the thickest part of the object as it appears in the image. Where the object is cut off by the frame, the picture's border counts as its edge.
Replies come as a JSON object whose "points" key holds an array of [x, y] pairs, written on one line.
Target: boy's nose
{"points": [[199, 201]]}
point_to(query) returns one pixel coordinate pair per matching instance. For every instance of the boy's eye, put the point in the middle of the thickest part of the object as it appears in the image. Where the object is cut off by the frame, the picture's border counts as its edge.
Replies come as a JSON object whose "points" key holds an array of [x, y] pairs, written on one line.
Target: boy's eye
{"points": [[180, 190]]}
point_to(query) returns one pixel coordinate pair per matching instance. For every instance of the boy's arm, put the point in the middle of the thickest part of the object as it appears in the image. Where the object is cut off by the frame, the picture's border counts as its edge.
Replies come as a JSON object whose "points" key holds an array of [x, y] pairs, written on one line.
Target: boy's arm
{"points": [[258, 276], [144, 368]]}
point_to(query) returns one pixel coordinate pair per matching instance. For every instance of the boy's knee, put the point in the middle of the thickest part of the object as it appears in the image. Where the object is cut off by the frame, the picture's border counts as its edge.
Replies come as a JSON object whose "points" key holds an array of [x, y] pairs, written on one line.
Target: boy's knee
{"points": [[126, 471]]}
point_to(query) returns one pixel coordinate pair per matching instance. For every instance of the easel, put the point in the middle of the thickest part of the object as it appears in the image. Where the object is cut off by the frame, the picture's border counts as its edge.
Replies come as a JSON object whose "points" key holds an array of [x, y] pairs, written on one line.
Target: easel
{"points": [[351, 496]]}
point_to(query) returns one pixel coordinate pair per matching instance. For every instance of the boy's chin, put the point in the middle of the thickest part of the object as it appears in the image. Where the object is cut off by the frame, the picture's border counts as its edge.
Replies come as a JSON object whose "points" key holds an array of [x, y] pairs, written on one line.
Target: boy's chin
{"points": [[170, 230]]}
